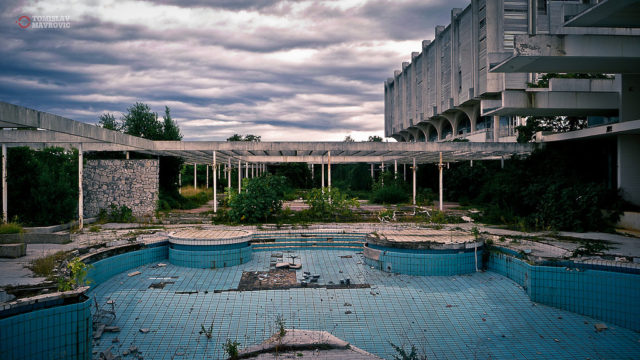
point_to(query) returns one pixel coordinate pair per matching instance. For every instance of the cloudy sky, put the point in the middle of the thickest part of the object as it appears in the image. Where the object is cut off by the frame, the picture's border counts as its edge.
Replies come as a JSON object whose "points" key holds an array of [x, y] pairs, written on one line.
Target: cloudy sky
{"points": [[285, 70]]}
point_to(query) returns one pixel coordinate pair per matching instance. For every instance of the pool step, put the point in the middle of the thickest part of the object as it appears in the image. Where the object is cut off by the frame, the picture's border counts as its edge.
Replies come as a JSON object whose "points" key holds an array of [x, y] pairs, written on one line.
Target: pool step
{"points": [[347, 245]]}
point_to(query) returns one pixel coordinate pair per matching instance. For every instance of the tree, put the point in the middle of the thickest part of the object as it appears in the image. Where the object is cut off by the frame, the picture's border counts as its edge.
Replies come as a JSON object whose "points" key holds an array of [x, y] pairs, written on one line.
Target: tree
{"points": [[249, 137], [171, 131], [140, 121], [235, 137], [252, 138], [375, 138], [348, 139], [109, 122]]}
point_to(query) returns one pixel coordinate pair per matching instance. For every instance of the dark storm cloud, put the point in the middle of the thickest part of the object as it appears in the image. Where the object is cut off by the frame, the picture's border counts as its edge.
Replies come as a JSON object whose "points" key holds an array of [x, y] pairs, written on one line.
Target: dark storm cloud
{"points": [[281, 69]]}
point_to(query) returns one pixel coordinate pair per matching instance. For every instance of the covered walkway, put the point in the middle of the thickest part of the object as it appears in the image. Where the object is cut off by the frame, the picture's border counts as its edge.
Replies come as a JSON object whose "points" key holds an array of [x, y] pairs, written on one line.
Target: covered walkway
{"points": [[28, 127]]}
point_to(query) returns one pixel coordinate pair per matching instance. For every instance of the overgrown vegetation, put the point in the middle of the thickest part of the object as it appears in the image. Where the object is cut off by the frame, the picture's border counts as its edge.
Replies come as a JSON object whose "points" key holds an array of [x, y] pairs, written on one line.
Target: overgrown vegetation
{"points": [[11, 228], [543, 81], [389, 190], [558, 188], [75, 276], [402, 354], [116, 214], [280, 324], [41, 185], [189, 199], [261, 199], [231, 348], [557, 124], [206, 332], [45, 266], [329, 205]]}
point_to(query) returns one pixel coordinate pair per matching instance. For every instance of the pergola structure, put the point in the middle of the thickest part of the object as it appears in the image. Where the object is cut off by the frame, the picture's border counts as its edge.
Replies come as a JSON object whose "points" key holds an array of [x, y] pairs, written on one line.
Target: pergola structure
{"points": [[27, 127]]}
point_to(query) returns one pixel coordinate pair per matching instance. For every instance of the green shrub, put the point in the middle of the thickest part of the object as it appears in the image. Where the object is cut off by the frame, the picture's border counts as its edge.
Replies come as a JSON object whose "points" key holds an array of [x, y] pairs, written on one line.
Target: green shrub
{"points": [[329, 205], [11, 228], [231, 348], [122, 214], [78, 271], [261, 199], [426, 197], [390, 194]]}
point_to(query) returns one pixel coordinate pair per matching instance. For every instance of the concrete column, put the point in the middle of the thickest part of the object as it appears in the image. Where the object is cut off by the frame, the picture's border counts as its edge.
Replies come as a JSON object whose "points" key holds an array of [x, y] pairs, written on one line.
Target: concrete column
{"points": [[382, 173], [502, 162], [313, 175], [253, 170], [471, 163], [414, 169], [195, 176], [229, 173], [322, 178], [214, 175], [404, 172], [246, 170], [239, 176], [4, 183], [215, 184], [329, 170], [395, 169], [126, 155], [180, 182], [219, 170], [80, 194], [629, 95], [629, 167], [372, 175], [496, 128], [440, 168]]}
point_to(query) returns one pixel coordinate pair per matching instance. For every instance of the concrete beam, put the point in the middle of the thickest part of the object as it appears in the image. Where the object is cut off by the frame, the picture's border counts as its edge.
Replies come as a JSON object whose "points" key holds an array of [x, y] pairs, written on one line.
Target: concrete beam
{"points": [[552, 103], [573, 54], [627, 127], [25, 117], [609, 13]]}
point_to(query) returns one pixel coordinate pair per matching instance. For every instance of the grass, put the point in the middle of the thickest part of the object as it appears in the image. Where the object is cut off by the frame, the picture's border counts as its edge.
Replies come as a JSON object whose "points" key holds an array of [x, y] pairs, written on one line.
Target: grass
{"points": [[11, 228], [190, 191], [44, 266]]}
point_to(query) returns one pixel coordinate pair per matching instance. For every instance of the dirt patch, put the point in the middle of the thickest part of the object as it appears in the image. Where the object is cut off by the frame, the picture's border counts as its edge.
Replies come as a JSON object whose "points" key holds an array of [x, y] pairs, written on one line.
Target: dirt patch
{"points": [[267, 280]]}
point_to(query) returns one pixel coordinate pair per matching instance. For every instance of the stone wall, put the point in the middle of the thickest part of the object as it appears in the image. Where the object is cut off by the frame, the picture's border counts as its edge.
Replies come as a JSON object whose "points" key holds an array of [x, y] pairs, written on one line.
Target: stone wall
{"points": [[133, 183]]}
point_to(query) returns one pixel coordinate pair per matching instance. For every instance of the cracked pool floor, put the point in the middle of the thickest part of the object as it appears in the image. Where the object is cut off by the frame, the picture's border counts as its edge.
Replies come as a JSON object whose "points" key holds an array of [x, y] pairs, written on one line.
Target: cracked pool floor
{"points": [[478, 316]]}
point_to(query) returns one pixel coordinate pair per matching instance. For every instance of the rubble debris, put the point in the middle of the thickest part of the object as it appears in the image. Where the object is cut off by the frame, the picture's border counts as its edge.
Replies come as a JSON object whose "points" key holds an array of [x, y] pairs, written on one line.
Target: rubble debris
{"points": [[144, 330], [600, 327], [97, 334], [134, 273]]}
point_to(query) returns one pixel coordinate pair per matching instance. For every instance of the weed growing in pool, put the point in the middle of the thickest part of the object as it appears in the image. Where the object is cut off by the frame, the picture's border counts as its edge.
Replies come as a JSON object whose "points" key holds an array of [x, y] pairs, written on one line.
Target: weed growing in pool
{"points": [[231, 348], [280, 323], [403, 355], [207, 332], [78, 275]]}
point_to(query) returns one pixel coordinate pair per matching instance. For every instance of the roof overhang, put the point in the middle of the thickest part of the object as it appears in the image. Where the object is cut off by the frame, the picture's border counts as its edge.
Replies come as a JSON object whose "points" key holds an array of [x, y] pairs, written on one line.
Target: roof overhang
{"points": [[53, 130], [573, 54], [609, 13], [551, 103]]}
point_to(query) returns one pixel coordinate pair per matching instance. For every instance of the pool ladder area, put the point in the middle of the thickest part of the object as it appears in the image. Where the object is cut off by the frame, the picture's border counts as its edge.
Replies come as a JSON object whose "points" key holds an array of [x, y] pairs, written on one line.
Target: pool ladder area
{"points": [[338, 241]]}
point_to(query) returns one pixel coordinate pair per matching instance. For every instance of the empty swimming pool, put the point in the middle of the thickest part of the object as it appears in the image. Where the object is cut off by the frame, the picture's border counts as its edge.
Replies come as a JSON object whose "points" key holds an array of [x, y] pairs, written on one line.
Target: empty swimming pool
{"points": [[481, 315]]}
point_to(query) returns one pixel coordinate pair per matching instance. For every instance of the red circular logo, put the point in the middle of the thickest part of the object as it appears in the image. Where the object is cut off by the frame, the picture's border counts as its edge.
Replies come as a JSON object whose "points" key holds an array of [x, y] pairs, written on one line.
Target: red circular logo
{"points": [[24, 22]]}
